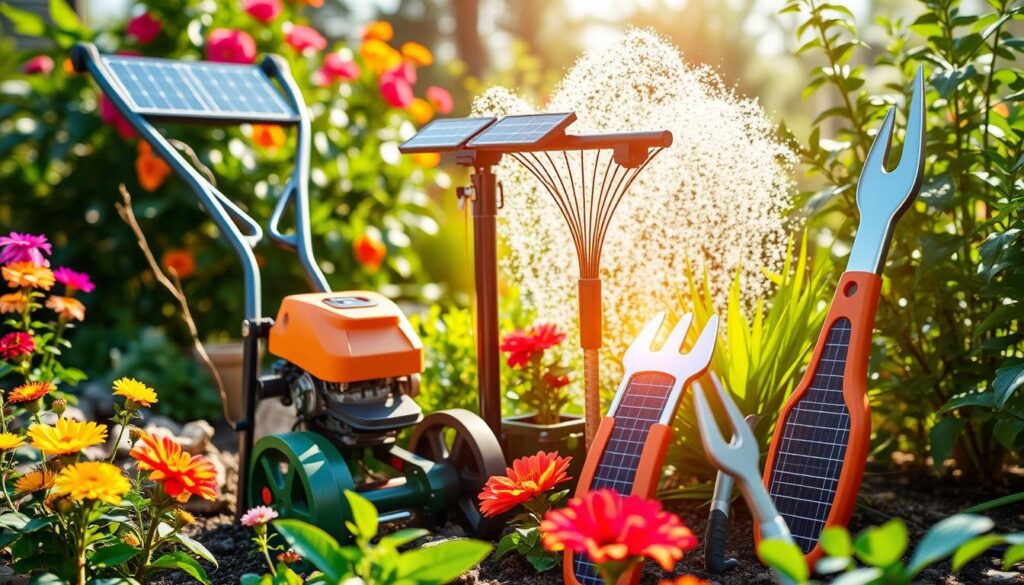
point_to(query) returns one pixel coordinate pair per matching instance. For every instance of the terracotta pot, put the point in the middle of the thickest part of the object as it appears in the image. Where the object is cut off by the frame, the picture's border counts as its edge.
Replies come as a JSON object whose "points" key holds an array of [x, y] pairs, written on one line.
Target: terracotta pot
{"points": [[227, 359], [522, 437]]}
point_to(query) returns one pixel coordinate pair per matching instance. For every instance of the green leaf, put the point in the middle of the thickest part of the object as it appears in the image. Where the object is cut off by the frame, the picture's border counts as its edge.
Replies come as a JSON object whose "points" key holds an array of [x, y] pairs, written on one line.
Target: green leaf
{"points": [[364, 515], [862, 576], [1008, 380], [1007, 431], [785, 557], [443, 562], [25, 23], [996, 503], [49, 579], [882, 546], [314, 545], [835, 541], [543, 562], [942, 435], [286, 576], [254, 579], [972, 548], [944, 538], [195, 547], [403, 537], [182, 562], [109, 581], [64, 17], [113, 555], [1014, 555]]}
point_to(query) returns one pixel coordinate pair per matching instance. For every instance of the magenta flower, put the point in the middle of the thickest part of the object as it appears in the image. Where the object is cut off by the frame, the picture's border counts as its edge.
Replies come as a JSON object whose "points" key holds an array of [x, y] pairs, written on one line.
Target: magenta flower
{"points": [[111, 115], [73, 280], [258, 516], [305, 37], [145, 28], [39, 64], [16, 247], [16, 344], [230, 46], [262, 10], [336, 67], [440, 99], [395, 89]]}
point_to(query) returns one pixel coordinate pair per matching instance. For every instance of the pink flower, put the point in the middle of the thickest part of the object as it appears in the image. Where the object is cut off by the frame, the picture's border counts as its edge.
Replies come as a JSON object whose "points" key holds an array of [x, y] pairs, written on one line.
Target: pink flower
{"points": [[336, 67], [110, 114], [39, 64], [230, 46], [145, 28], [395, 89], [262, 10], [440, 99], [16, 247], [304, 37], [258, 516], [407, 72], [16, 344], [73, 280]]}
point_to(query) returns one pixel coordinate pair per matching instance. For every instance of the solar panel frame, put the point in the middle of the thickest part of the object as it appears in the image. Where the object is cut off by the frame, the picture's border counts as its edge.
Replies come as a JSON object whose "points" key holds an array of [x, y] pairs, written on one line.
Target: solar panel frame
{"points": [[197, 91], [509, 131], [449, 134]]}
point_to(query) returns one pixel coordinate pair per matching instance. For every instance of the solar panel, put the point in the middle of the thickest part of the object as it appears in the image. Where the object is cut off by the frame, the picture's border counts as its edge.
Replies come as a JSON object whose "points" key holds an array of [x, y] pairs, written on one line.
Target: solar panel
{"points": [[445, 134], [806, 468], [642, 405], [163, 88], [524, 130]]}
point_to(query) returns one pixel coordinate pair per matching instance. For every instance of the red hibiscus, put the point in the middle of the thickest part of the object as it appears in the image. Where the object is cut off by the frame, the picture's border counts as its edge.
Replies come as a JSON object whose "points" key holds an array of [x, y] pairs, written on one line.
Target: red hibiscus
{"points": [[523, 345], [230, 46], [144, 28], [370, 252], [262, 10], [396, 89], [111, 115]]}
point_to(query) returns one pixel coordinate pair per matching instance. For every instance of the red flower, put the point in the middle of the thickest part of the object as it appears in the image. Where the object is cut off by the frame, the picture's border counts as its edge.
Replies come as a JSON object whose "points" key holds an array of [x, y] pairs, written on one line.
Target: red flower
{"points": [[39, 64], [305, 37], [522, 346], [686, 580], [182, 475], [612, 528], [145, 28], [370, 252], [182, 262], [230, 46], [556, 382], [337, 67], [262, 10], [528, 477], [16, 344], [396, 89], [111, 115], [440, 99]]}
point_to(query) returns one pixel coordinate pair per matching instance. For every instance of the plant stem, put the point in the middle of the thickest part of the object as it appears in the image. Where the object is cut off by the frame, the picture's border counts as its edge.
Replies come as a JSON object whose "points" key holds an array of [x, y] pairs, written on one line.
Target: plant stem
{"points": [[147, 545]]}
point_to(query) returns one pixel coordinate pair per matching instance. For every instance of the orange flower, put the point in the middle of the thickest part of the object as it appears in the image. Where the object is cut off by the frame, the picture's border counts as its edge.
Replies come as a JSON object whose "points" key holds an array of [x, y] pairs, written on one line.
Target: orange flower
{"points": [[29, 391], [417, 54], [379, 56], [27, 274], [380, 30], [614, 529], [427, 159], [151, 169], [14, 302], [269, 136], [370, 252], [182, 475], [685, 580], [67, 307], [528, 477], [180, 261], [420, 111]]}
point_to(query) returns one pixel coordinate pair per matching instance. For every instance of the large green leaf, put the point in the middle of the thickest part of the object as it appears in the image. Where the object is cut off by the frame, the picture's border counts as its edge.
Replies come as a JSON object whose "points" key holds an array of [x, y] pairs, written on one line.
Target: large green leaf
{"points": [[443, 562], [113, 555], [882, 546], [944, 538], [785, 557], [316, 546], [182, 562], [1008, 379], [972, 548], [25, 23], [943, 434], [364, 515]]}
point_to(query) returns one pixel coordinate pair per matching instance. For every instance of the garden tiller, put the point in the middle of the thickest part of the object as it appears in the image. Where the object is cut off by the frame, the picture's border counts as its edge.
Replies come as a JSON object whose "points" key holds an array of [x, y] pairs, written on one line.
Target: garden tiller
{"points": [[348, 360]]}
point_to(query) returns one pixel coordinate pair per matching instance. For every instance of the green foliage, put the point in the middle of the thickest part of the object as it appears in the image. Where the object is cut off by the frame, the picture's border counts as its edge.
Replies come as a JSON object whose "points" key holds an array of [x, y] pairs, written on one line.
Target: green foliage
{"points": [[379, 564], [449, 376], [525, 536], [761, 355], [949, 358]]}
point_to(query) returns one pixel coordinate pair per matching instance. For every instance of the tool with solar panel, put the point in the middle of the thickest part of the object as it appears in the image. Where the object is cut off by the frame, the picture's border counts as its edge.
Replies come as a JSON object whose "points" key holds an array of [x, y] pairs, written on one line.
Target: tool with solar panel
{"points": [[347, 360]]}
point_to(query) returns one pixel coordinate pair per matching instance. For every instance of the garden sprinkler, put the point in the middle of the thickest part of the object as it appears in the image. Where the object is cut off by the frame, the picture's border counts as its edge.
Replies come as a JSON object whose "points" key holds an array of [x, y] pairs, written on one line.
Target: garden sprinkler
{"points": [[817, 455], [628, 452], [717, 530], [349, 361]]}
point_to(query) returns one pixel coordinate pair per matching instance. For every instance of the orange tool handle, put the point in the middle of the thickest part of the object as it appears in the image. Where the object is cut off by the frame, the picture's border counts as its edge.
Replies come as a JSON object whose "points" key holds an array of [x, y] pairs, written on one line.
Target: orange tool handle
{"points": [[645, 482], [856, 299]]}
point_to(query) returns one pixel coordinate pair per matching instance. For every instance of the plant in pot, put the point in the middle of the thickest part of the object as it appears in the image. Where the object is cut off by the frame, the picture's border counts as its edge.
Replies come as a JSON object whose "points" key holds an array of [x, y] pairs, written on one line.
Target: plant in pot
{"points": [[539, 384]]}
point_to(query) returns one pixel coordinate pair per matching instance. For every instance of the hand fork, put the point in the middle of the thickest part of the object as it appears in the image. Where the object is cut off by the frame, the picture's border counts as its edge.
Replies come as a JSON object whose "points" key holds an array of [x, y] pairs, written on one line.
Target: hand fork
{"points": [[628, 451], [816, 460]]}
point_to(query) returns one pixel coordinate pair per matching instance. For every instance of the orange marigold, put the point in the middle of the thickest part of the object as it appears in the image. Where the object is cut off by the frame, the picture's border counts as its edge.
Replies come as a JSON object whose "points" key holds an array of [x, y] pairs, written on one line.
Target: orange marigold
{"points": [[14, 302], [269, 136], [417, 53], [420, 111], [29, 391], [67, 307], [181, 261], [151, 169], [28, 274], [379, 56], [380, 30], [528, 477], [182, 475], [685, 580]]}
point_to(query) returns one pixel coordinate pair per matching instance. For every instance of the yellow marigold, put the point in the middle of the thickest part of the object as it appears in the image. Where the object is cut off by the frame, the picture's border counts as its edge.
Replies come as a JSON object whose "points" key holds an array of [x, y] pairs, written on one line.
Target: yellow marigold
{"points": [[379, 56], [184, 518], [417, 53], [14, 302], [131, 540], [68, 436], [426, 159], [29, 391], [10, 441], [35, 481], [380, 30], [135, 391], [420, 111], [67, 307], [92, 480], [20, 274]]}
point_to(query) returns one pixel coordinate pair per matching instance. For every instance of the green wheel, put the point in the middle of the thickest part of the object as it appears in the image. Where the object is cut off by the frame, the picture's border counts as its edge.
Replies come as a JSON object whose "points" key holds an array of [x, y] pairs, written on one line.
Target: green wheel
{"points": [[301, 475]]}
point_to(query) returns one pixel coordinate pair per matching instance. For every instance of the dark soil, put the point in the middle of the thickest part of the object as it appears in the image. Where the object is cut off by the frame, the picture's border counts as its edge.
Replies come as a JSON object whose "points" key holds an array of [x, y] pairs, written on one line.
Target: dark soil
{"points": [[916, 496]]}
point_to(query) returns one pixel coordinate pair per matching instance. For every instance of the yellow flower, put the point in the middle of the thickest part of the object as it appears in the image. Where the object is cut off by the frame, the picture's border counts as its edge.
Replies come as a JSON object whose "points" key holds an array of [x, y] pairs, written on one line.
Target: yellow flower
{"points": [[131, 540], [420, 111], [380, 56], [427, 159], [19, 274], [13, 303], [269, 136], [68, 436], [66, 307], [34, 481], [135, 391], [417, 53], [29, 391], [92, 480], [184, 518], [10, 441], [380, 30]]}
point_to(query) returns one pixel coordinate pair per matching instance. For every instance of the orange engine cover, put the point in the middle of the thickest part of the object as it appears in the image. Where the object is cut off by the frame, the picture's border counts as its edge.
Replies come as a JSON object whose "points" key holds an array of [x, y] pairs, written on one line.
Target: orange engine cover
{"points": [[346, 336]]}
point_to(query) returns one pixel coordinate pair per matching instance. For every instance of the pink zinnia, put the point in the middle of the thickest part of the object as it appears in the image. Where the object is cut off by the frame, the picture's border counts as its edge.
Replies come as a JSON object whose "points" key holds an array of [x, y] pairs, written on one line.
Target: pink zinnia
{"points": [[336, 67], [16, 344], [16, 247], [73, 280], [111, 115], [258, 516], [230, 46], [39, 64], [145, 28], [305, 37], [262, 10], [395, 89], [407, 72], [440, 99]]}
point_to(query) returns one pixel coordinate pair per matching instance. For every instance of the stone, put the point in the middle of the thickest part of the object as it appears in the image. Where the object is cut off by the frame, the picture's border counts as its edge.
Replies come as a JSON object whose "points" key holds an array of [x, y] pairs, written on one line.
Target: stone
{"points": [[162, 426], [272, 417], [195, 437]]}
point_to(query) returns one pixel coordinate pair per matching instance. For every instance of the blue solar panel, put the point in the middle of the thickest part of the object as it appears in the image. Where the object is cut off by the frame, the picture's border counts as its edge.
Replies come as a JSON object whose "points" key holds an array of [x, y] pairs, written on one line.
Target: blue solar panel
{"points": [[445, 134], [525, 130], [195, 89]]}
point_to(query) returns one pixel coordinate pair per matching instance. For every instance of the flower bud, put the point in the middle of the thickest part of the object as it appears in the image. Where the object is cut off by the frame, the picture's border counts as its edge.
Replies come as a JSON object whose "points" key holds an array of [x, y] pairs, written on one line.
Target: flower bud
{"points": [[59, 406], [135, 433], [183, 518], [130, 539]]}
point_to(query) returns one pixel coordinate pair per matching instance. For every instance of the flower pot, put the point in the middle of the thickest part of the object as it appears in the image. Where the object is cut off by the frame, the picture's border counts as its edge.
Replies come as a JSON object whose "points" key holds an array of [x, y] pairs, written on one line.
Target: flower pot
{"points": [[227, 360], [522, 437]]}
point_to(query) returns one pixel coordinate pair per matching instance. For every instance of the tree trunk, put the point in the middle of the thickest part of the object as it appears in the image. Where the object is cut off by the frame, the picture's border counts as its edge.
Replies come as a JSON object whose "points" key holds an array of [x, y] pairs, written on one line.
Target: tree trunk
{"points": [[467, 36]]}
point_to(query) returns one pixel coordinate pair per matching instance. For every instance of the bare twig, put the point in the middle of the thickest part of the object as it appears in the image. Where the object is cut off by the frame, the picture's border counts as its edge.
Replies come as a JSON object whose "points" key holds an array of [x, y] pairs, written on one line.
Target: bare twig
{"points": [[173, 284]]}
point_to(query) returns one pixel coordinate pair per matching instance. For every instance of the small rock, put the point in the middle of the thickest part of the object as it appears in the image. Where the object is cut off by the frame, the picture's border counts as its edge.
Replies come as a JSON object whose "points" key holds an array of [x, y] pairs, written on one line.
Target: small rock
{"points": [[195, 437], [161, 426], [1002, 576], [764, 578]]}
